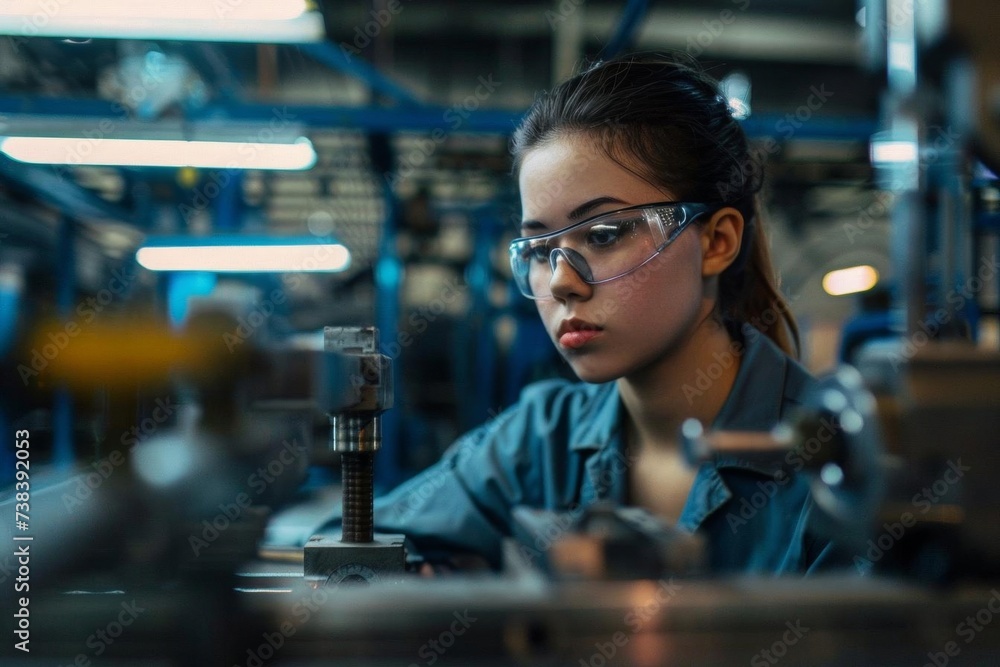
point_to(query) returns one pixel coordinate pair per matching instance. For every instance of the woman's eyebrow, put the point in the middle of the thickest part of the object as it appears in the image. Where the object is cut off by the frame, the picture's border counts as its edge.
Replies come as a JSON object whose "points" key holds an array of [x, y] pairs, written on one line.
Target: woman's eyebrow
{"points": [[585, 208], [576, 214]]}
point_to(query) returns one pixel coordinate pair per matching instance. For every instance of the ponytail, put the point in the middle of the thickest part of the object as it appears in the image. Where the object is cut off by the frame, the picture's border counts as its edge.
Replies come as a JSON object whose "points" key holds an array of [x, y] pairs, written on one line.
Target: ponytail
{"points": [[749, 290]]}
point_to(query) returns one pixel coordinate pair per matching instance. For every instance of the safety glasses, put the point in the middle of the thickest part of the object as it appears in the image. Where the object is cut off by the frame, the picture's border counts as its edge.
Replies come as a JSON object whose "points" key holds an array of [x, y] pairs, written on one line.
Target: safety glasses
{"points": [[602, 248]]}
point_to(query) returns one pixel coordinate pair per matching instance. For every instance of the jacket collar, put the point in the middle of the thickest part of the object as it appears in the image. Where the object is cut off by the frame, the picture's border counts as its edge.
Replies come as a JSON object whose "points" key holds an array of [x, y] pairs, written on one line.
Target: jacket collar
{"points": [[754, 404]]}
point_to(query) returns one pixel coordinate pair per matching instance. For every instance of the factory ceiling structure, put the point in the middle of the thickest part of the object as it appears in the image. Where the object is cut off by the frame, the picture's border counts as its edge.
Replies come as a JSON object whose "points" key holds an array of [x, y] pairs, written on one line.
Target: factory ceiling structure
{"points": [[401, 79]]}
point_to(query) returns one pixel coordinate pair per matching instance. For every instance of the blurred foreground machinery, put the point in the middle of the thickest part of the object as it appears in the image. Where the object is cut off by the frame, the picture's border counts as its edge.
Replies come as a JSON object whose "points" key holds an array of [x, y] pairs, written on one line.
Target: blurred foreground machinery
{"points": [[165, 529]]}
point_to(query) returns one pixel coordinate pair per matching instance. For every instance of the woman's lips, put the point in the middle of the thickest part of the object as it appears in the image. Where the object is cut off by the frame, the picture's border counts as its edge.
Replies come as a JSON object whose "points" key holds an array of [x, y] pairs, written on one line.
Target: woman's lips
{"points": [[577, 339]]}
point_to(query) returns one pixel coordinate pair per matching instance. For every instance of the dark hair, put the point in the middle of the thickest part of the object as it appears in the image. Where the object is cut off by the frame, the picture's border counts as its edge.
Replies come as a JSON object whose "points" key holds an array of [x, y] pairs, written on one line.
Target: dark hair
{"points": [[664, 119]]}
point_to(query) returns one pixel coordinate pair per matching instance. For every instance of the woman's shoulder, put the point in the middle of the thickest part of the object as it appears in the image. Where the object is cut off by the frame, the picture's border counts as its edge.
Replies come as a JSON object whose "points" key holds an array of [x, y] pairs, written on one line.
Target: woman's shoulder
{"points": [[562, 409], [768, 386], [799, 383]]}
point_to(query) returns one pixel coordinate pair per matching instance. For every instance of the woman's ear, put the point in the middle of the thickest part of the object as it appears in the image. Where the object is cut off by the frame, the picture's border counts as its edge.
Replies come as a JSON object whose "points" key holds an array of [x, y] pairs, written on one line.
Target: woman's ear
{"points": [[721, 238]]}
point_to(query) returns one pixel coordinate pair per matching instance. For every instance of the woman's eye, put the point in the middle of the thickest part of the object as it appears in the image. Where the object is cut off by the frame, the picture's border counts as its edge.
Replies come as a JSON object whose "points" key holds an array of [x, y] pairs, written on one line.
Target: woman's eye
{"points": [[608, 234], [538, 252]]}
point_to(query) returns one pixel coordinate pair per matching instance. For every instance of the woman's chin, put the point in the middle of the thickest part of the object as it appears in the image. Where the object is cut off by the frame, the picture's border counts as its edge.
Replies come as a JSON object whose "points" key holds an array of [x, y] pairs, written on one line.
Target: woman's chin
{"points": [[592, 374]]}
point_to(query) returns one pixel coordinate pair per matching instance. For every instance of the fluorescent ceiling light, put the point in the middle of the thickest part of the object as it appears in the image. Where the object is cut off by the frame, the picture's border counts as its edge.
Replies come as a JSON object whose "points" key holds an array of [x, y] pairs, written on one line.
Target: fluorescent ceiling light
{"points": [[241, 254], [889, 152], [297, 155], [195, 20], [850, 280], [902, 61]]}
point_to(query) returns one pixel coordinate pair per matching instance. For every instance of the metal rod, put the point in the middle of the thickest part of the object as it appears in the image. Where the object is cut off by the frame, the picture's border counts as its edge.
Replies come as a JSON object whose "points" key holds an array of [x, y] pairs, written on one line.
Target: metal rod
{"points": [[358, 498]]}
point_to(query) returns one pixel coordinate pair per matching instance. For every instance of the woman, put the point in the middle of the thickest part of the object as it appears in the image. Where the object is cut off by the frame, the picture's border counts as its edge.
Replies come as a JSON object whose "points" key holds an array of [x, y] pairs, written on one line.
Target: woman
{"points": [[642, 248]]}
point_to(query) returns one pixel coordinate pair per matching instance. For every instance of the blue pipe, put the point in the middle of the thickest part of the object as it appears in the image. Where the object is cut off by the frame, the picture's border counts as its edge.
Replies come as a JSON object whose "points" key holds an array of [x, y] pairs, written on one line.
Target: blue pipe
{"points": [[479, 278], [370, 118], [335, 58], [46, 184], [229, 203], [424, 118], [388, 279], [635, 12]]}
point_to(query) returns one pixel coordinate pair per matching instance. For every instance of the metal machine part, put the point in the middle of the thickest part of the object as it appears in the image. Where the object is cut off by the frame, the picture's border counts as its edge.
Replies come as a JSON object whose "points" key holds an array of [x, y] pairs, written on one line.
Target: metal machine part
{"points": [[950, 418], [935, 497], [602, 542], [978, 38], [359, 556], [834, 439]]}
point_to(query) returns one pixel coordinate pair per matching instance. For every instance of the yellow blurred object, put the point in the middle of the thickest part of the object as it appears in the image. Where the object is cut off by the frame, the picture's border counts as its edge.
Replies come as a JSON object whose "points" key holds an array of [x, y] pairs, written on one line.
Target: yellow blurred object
{"points": [[111, 353], [187, 177]]}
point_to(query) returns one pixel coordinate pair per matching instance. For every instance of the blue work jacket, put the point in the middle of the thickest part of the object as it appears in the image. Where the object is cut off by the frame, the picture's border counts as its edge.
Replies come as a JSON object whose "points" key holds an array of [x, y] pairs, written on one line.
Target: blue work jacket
{"points": [[561, 446]]}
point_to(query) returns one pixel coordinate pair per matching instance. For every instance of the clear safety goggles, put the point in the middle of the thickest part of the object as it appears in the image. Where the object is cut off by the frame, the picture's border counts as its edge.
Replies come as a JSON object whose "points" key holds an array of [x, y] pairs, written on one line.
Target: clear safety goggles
{"points": [[602, 248]]}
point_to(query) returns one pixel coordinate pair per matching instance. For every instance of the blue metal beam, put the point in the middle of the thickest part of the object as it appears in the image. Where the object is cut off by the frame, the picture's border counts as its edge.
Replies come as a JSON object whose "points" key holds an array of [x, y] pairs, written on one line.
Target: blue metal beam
{"points": [[628, 27], [423, 118], [370, 119], [48, 184], [338, 59]]}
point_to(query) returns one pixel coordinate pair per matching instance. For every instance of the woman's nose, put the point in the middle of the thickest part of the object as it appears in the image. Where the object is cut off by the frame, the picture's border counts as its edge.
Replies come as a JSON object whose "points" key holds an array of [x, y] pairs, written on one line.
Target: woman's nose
{"points": [[566, 282]]}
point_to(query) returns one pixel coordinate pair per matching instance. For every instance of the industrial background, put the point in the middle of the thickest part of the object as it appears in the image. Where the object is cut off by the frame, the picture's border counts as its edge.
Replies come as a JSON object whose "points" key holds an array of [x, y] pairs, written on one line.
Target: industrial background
{"points": [[424, 214], [372, 138]]}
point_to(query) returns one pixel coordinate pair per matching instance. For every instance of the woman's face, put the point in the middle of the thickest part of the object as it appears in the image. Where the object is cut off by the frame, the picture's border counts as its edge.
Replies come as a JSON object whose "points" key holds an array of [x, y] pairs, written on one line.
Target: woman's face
{"points": [[616, 328]]}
